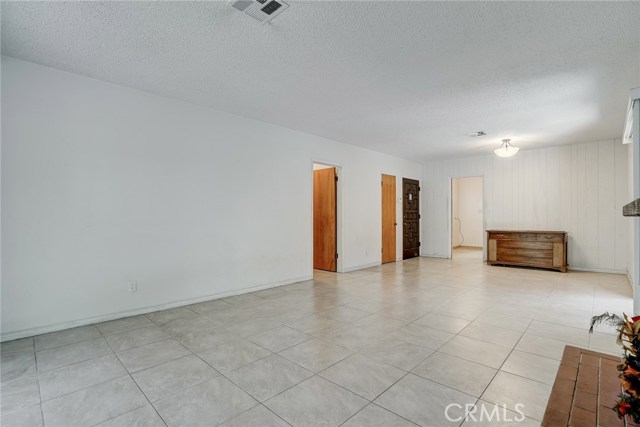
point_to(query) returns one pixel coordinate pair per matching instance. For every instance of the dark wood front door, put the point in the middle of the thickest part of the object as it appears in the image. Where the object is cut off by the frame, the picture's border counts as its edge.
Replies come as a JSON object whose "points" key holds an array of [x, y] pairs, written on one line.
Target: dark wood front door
{"points": [[324, 219], [410, 218]]}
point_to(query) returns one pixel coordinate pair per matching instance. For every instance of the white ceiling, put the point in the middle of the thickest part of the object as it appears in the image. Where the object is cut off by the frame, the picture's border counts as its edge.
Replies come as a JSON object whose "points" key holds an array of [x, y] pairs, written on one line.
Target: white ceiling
{"points": [[405, 78]]}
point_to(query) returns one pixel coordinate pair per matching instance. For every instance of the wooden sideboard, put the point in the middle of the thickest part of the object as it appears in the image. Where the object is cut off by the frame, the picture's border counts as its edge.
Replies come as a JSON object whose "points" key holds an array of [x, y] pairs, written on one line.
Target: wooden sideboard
{"points": [[543, 249]]}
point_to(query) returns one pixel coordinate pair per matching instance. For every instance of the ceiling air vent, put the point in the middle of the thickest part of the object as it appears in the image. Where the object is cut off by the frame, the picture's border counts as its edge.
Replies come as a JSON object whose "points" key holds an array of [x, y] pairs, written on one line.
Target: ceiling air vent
{"points": [[261, 10]]}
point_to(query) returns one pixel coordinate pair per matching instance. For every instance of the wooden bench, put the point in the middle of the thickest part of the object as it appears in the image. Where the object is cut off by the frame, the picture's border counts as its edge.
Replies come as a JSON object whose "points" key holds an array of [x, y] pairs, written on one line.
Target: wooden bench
{"points": [[585, 391]]}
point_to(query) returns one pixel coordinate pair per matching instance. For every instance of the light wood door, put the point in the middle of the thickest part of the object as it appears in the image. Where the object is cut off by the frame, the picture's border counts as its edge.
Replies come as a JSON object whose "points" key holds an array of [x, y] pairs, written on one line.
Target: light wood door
{"points": [[388, 218], [324, 219]]}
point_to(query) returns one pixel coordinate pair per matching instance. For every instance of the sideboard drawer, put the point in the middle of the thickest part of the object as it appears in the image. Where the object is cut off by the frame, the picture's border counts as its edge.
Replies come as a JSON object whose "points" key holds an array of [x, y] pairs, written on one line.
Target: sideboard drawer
{"points": [[523, 244], [513, 236], [522, 255], [550, 237]]}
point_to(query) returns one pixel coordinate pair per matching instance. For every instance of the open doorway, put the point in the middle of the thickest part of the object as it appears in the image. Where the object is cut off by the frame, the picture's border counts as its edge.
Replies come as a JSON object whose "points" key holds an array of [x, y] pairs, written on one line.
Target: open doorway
{"points": [[325, 217], [467, 218]]}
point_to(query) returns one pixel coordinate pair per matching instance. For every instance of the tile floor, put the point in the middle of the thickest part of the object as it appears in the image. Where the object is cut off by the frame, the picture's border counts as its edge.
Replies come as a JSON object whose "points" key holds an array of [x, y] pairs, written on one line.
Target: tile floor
{"points": [[387, 346]]}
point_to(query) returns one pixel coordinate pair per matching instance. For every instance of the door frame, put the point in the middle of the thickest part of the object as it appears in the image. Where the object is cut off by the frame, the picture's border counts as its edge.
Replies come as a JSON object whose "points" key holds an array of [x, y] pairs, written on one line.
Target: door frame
{"points": [[339, 213], [484, 216]]}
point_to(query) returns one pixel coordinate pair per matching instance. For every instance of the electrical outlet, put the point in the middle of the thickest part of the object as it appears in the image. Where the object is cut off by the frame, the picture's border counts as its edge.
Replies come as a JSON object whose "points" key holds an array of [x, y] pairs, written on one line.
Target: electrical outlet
{"points": [[133, 287]]}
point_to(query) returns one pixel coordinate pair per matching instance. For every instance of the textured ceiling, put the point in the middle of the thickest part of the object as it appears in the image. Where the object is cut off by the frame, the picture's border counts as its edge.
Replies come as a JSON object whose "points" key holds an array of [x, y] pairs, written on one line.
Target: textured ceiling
{"points": [[405, 78]]}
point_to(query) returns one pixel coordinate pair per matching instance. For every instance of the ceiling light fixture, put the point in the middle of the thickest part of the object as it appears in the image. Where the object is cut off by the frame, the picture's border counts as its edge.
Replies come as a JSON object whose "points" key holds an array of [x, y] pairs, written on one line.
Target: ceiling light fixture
{"points": [[506, 149]]}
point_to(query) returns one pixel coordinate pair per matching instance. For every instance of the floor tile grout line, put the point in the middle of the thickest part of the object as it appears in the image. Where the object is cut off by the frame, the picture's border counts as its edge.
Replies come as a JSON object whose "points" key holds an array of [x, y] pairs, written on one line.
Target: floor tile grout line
{"points": [[370, 402], [405, 373], [127, 330], [147, 397], [246, 391], [500, 369], [382, 407], [451, 387], [35, 360], [235, 369], [436, 350], [75, 363], [223, 375], [68, 344], [183, 389], [135, 409], [141, 345], [88, 386], [177, 391], [83, 388], [127, 374], [284, 349], [315, 374], [513, 348], [269, 409]]}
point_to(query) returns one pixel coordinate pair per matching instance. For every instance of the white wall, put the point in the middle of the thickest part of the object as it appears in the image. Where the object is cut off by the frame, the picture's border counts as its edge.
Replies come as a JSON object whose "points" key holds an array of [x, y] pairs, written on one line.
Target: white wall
{"points": [[467, 206], [634, 222], [456, 239], [102, 185], [578, 188]]}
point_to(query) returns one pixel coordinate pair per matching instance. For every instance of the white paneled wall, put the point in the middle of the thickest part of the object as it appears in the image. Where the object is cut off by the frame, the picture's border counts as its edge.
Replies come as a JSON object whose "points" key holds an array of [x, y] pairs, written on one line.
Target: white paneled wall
{"points": [[578, 188]]}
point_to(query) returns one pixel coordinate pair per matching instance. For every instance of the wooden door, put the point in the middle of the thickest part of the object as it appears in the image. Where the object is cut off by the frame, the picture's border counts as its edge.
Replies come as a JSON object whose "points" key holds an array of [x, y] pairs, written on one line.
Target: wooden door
{"points": [[324, 219], [388, 218], [410, 218]]}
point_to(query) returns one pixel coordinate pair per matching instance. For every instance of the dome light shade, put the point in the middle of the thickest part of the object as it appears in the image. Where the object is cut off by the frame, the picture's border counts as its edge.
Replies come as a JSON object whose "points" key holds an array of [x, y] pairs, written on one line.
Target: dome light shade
{"points": [[506, 149]]}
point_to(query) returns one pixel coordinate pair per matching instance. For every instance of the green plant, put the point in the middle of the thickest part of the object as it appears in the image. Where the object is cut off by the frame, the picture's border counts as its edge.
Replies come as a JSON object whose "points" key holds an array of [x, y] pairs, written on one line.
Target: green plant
{"points": [[629, 370]]}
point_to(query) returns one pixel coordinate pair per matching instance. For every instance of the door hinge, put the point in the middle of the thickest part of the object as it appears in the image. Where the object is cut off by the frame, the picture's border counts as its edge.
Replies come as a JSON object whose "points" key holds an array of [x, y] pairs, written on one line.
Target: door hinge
{"points": [[336, 178], [419, 243], [336, 256]]}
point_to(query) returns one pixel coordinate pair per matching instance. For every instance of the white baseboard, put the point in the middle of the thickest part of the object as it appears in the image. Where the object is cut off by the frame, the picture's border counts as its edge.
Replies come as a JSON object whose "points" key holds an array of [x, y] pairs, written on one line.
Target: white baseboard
{"points": [[596, 270], [435, 256], [369, 265], [12, 335], [361, 267], [585, 269]]}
